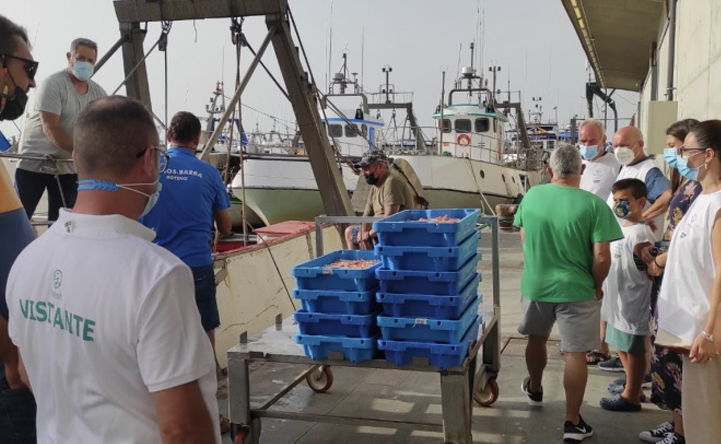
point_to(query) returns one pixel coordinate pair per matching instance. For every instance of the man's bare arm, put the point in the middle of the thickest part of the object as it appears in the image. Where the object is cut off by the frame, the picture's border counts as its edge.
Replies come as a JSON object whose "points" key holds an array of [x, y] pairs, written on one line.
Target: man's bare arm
{"points": [[601, 263], [55, 132], [223, 222], [9, 356], [182, 415]]}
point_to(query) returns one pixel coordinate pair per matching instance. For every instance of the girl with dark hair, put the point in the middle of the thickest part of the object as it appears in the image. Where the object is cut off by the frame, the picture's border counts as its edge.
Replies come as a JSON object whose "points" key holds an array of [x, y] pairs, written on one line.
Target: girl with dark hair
{"points": [[691, 291]]}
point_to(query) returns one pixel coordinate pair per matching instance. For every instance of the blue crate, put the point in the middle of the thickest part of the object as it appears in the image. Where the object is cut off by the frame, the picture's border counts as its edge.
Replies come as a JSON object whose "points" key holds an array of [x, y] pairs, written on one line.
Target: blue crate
{"points": [[355, 350], [437, 307], [440, 283], [316, 275], [428, 330], [428, 258], [337, 301], [442, 356], [354, 326], [404, 230]]}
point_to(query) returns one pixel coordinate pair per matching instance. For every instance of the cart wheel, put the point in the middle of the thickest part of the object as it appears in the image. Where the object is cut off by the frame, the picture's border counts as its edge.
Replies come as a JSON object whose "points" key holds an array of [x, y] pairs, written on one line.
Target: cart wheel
{"points": [[239, 434], [320, 379], [488, 395]]}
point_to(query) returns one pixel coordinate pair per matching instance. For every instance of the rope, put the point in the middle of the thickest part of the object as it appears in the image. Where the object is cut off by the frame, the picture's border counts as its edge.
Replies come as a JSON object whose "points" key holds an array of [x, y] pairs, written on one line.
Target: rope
{"points": [[165, 25], [478, 186]]}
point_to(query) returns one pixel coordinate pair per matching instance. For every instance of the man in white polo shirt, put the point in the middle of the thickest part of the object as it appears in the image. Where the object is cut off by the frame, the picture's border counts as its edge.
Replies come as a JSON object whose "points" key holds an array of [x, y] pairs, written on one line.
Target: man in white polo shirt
{"points": [[601, 168], [105, 321]]}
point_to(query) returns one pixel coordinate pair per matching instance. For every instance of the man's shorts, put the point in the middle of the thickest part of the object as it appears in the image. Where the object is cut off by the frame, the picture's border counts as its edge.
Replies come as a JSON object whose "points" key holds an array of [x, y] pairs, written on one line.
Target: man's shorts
{"points": [[577, 321], [204, 279], [625, 342]]}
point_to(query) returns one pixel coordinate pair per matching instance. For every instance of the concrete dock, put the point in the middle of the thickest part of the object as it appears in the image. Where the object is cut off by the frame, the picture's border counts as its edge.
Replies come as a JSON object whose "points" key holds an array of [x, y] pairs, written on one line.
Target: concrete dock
{"points": [[413, 396]]}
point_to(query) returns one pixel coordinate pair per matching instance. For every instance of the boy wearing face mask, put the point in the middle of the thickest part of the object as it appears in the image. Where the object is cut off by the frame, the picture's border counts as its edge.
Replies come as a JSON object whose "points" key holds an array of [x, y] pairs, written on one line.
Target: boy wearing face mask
{"points": [[627, 290], [49, 130]]}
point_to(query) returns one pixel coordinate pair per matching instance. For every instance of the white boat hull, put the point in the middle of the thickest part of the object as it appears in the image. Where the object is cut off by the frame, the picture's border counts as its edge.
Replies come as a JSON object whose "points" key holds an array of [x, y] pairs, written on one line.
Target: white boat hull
{"points": [[279, 189]]}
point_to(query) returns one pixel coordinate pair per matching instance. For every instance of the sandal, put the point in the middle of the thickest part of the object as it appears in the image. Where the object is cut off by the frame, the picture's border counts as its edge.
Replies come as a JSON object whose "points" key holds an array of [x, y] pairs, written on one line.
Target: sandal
{"points": [[595, 357]]}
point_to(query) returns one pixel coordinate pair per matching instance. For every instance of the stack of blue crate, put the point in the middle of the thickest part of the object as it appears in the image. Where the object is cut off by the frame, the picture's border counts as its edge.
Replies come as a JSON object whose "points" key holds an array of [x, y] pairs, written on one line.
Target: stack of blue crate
{"points": [[428, 285], [338, 308]]}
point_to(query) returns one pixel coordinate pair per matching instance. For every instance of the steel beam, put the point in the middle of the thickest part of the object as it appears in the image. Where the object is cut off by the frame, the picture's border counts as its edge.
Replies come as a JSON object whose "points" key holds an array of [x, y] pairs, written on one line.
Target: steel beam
{"points": [[137, 85], [327, 172], [134, 11]]}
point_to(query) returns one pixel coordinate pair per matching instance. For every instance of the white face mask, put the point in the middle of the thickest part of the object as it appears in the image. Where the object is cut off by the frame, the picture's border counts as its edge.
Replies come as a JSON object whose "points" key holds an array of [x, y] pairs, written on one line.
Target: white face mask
{"points": [[624, 155]]}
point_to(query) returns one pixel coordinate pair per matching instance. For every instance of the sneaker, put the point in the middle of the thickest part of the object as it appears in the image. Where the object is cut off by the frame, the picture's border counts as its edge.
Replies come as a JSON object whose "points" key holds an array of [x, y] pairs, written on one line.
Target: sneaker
{"points": [[612, 365], [535, 399], [619, 404], [657, 434], [673, 438], [576, 433]]}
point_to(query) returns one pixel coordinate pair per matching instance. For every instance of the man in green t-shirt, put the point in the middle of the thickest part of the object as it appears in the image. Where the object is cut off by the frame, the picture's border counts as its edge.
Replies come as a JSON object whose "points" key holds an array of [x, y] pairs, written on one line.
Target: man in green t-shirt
{"points": [[566, 233]]}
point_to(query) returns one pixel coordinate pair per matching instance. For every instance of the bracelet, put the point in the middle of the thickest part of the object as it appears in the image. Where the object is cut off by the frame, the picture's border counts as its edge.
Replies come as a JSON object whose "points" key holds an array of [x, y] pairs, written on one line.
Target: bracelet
{"points": [[654, 261], [707, 336]]}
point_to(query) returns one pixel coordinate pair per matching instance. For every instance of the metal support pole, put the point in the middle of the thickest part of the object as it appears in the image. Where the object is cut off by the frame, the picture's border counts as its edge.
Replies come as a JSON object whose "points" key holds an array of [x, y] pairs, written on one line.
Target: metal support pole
{"points": [[134, 61], [238, 92], [124, 38]]}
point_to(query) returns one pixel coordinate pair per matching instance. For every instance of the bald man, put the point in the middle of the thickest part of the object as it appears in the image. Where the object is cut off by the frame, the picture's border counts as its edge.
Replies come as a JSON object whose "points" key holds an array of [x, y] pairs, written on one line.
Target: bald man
{"points": [[628, 146]]}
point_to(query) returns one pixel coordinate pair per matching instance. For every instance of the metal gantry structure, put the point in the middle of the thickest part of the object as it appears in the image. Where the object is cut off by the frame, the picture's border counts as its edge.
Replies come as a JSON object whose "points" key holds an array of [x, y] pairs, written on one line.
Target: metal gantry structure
{"points": [[300, 86]]}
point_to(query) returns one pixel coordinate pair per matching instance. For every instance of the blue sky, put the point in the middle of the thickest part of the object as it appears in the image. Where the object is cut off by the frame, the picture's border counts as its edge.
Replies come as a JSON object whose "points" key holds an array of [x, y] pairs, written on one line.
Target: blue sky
{"points": [[531, 40]]}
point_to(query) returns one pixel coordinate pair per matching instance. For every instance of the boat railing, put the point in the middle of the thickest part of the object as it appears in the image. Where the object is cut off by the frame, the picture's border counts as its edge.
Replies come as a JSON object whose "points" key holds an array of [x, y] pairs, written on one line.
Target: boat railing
{"points": [[379, 98]]}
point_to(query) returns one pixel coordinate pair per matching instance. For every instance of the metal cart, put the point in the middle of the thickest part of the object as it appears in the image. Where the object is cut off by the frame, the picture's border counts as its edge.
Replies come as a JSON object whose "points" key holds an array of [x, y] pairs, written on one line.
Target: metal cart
{"points": [[472, 380]]}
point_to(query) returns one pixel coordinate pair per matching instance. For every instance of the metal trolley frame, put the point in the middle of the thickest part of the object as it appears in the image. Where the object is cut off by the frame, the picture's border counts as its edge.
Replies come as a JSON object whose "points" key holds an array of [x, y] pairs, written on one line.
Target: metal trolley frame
{"points": [[472, 380]]}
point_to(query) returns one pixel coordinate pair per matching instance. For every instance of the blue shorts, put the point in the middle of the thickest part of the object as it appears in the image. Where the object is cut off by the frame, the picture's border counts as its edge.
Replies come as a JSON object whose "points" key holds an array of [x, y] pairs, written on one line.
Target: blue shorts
{"points": [[204, 279]]}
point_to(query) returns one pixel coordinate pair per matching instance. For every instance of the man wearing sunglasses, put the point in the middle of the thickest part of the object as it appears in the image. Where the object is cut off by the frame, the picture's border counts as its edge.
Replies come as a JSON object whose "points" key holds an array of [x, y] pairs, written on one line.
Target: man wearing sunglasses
{"points": [[17, 69], [49, 129]]}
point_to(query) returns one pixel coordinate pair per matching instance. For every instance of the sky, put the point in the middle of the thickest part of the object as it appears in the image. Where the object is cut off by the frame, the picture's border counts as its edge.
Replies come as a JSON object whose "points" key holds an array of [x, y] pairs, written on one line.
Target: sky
{"points": [[531, 40]]}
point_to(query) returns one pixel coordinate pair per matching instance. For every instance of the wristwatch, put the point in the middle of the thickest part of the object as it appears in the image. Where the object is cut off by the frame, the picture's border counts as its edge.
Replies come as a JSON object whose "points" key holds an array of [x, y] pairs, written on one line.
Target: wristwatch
{"points": [[707, 336]]}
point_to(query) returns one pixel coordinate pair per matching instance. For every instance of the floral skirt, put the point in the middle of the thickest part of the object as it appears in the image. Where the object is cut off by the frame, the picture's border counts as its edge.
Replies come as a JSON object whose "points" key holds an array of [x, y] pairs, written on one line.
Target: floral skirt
{"points": [[666, 365]]}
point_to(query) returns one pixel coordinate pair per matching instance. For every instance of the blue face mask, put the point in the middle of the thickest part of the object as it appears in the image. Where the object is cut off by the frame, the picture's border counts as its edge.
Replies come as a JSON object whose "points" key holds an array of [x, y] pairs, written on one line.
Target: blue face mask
{"points": [[686, 171], [83, 70], [588, 151], [669, 155], [91, 184]]}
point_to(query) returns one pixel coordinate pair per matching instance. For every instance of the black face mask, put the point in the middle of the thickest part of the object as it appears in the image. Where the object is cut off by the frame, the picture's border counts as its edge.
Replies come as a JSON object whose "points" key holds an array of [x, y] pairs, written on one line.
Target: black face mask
{"points": [[372, 179], [14, 107]]}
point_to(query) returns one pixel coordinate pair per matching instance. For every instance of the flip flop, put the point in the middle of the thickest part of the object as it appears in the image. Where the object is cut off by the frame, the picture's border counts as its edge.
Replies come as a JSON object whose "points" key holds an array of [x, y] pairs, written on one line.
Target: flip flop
{"points": [[594, 357]]}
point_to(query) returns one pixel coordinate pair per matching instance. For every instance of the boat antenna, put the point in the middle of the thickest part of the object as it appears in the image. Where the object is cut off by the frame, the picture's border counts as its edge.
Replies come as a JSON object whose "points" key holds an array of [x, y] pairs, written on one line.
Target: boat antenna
{"points": [[363, 40], [458, 68], [330, 42]]}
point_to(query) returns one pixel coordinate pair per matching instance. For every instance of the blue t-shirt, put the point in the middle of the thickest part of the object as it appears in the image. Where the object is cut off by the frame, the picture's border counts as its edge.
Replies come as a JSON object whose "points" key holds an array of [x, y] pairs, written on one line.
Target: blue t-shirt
{"points": [[183, 217], [15, 234], [657, 184]]}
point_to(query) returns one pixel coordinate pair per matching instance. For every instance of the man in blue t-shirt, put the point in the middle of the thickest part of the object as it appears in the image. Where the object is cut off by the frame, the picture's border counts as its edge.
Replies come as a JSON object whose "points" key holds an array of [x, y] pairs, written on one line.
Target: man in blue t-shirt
{"points": [[193, 197]]}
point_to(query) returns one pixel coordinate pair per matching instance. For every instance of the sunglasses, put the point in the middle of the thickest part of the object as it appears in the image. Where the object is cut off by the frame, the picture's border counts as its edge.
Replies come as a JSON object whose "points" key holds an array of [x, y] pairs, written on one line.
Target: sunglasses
{"points": [[31, 66]]}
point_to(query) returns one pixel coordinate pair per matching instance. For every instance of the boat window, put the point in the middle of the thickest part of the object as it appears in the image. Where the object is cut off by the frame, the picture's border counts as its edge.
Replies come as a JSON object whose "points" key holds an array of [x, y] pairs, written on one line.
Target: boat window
{"points": [[446, 126], [351, 131], [336, 130], [551, 145], [364, 130], [463, 126], [482, 125]]}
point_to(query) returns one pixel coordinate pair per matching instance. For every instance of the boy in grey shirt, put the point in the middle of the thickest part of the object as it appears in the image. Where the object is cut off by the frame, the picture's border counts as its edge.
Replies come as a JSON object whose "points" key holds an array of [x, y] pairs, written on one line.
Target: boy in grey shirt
{"points": [[49, 129]]}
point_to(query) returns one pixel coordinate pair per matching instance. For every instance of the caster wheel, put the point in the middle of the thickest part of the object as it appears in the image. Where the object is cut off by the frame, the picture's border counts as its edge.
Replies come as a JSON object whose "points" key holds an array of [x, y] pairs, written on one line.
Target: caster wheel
{"points": [[320, 379], [239, 435], [488, 394]]}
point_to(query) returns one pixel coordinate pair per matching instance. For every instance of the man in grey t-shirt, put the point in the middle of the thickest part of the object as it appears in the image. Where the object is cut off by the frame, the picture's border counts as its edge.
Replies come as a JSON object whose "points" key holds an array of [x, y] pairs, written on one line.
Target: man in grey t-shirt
{"points": [[49, 132]]}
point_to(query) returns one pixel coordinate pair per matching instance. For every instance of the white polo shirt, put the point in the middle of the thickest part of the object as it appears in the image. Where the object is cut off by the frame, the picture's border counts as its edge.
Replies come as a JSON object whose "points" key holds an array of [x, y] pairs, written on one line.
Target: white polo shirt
{"points": [[600, 175], [103, 318]]}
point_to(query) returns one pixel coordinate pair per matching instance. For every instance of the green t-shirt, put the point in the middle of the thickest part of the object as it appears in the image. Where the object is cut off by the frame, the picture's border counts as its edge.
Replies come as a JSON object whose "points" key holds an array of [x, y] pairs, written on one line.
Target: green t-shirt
{"points": [[560, 225]]}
